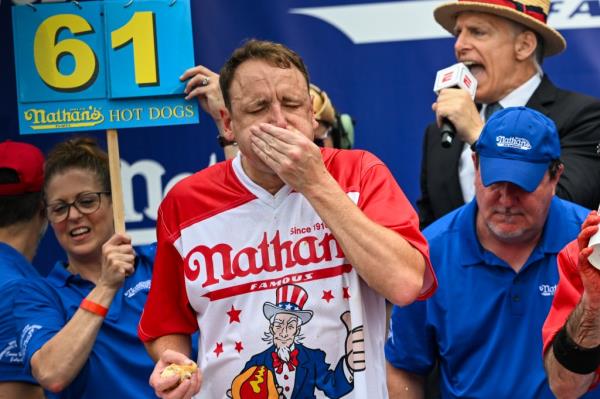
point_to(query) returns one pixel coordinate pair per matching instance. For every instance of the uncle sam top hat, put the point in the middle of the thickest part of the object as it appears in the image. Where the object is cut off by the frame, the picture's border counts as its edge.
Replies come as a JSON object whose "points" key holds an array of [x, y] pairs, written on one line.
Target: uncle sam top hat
{"points": [[517, 145], [290, 299], [532, 14]]}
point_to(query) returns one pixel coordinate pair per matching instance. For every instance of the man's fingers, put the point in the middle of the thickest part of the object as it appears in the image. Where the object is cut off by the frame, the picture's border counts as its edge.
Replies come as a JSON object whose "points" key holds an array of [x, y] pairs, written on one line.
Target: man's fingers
{"points": [[586, 252], [588, 232], [193, 71], [270, 147], [588, 229], [265, 156], [195, 382], [170, 356], [592, 219], [283, 135], [162, 385], [179, 392]]}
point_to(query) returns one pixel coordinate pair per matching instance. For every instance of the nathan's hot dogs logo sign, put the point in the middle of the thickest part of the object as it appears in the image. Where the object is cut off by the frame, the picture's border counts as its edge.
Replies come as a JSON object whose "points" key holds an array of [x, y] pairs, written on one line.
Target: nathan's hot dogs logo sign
{"points": [[41, 119], [102, 64]]}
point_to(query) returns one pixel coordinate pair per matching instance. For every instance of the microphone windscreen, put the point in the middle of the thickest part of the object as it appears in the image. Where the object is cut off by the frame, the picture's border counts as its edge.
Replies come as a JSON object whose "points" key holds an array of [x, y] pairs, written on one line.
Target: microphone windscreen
{"points": [[457, 75]]}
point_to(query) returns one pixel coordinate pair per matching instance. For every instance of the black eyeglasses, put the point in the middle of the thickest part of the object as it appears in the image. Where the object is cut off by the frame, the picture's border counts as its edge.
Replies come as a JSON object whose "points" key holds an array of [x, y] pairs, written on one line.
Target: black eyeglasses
{"points": [[85, 203]]}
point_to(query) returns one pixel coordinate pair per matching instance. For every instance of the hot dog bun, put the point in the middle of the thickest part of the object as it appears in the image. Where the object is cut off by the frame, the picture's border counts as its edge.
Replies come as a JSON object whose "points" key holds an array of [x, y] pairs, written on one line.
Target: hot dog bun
{"points": [[184, 371]]}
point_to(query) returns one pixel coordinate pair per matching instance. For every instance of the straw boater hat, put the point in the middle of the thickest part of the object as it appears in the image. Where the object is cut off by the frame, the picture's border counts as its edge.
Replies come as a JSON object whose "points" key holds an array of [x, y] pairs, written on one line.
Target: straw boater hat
{"points": [[532, 14]]}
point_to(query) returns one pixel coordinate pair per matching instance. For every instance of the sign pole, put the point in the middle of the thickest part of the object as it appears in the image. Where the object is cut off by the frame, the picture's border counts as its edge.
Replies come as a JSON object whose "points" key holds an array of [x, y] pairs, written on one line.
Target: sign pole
{"points": [[114, 164]]}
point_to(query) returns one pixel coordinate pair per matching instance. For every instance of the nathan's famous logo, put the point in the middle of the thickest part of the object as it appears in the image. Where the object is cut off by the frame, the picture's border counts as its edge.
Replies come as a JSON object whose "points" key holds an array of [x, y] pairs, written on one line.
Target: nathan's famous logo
{"points": [[269, 256], [513, 142], [42, 119]]}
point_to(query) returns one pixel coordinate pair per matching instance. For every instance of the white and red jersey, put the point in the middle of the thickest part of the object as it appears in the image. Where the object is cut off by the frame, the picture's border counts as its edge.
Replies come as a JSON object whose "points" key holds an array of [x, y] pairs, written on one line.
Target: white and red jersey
{"points": [[225, 245]]}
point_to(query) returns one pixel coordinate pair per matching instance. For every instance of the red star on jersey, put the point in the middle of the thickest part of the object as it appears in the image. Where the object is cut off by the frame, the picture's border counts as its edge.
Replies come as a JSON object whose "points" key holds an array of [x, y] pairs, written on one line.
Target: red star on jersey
{"points": [[219, 349], [238, 346], [234, 315], [327, 295], [346, 292]]}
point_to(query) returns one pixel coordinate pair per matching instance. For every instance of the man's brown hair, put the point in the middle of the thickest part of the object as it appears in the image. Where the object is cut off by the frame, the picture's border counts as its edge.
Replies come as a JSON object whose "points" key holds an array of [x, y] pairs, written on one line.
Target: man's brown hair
{"points": [[273, 53]]}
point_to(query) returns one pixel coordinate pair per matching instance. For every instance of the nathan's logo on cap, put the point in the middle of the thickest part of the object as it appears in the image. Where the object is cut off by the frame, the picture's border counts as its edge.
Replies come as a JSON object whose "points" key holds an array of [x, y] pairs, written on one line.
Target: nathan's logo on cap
{"points": [[517, 145], [513, 142]]}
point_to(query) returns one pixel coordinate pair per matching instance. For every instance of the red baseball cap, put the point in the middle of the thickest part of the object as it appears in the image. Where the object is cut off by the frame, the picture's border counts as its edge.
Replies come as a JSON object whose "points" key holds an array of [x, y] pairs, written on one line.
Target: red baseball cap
{"points": [[28, 162]]}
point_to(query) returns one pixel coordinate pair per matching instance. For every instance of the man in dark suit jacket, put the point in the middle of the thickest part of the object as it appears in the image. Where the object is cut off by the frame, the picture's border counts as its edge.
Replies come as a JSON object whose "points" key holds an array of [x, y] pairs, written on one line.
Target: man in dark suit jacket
{"points": [[504, 47]]}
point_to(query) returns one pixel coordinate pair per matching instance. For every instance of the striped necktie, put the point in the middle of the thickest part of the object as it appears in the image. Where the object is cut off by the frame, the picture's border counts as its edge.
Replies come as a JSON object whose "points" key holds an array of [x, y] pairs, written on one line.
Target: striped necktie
{"points": [[491, 109]]}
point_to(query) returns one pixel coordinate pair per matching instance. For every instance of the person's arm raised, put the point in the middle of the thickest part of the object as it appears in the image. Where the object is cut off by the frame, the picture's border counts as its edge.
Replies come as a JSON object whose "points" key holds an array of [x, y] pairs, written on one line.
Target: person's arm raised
{"points": [[61, 359], [382, 257], [580, 337], [203, 84]]}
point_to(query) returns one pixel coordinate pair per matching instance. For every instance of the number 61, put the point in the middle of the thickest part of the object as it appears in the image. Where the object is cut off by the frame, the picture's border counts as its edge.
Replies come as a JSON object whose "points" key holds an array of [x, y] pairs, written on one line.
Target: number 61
{"points": [[48, 51]]}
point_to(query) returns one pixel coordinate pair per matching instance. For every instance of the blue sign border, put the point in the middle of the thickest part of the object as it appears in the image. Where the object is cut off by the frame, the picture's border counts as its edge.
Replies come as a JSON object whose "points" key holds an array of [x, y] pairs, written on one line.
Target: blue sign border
{"points": [[113, 100]]}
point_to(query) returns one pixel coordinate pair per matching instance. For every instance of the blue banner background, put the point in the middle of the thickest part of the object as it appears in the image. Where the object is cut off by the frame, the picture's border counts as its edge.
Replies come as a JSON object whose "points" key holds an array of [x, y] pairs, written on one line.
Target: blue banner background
{"points": [[385, 84]]}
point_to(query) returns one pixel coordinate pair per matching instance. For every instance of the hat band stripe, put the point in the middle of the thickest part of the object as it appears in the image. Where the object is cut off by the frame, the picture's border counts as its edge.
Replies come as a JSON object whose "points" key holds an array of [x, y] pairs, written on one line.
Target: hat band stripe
{"points": [[533, 11], [288, 306]]}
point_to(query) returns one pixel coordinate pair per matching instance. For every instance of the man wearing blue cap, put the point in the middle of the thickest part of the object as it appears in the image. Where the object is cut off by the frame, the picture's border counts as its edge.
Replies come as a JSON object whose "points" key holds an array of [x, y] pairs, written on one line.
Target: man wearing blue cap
{"points": [[495, 259]]}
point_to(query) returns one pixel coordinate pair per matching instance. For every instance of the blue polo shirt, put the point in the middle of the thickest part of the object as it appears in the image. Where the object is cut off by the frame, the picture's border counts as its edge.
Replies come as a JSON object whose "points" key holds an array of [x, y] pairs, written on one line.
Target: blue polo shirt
{"points": [[14, 268], [485, 320], [118, 366]]}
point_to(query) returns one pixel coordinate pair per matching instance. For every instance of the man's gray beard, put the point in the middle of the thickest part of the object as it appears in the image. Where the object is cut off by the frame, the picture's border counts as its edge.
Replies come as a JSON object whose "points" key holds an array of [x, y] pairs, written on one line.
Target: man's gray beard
{"points": [[284, 353]]}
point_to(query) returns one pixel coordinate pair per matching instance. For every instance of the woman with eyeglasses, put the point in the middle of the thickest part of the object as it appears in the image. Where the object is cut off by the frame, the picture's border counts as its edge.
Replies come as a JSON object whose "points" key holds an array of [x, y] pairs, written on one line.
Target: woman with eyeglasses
{"points": [[79, 325]]}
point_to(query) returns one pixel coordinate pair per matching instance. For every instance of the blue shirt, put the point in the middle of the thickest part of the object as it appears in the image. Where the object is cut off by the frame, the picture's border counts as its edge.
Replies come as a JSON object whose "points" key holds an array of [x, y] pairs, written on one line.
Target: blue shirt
{"points": [[118, 365], [484, 322], [14, 268]]}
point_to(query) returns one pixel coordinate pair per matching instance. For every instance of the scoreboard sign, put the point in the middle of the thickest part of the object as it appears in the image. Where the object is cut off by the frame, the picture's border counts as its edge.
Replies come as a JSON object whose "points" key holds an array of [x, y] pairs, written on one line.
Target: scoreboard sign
{"points": [[102, 65]]}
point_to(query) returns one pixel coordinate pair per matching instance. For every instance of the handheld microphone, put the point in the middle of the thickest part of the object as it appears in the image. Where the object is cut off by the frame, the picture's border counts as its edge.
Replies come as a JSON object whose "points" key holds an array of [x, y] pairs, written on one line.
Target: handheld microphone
{"points": [[457, 76]]}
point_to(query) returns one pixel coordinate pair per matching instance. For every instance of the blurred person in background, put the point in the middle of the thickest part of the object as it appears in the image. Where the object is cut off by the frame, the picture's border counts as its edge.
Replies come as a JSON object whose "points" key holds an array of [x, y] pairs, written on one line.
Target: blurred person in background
{"points": [[22, 225]]}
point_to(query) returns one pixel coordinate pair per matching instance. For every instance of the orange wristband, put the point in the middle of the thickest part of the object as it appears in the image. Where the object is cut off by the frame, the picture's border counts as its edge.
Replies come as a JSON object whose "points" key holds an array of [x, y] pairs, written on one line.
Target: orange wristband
{"points": [[93, 307]]}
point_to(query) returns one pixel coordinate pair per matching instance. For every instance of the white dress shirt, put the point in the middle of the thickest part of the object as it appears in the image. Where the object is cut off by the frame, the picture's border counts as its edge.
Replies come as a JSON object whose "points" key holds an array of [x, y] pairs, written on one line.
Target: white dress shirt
{"points": [[516, 98]]}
